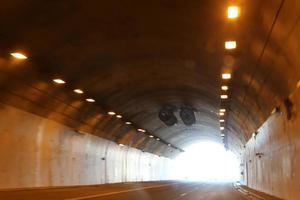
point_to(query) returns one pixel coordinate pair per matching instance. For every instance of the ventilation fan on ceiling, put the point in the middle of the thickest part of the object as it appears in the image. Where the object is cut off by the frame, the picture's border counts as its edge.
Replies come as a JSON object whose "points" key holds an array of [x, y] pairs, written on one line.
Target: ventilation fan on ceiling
{"points": [[166, 115], [187, 115]]}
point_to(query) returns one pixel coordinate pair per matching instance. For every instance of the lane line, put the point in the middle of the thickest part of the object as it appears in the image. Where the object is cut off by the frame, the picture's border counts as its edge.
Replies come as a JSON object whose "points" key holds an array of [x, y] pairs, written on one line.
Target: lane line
{"points": [[184, 194], [120, 192], [246, 194]]}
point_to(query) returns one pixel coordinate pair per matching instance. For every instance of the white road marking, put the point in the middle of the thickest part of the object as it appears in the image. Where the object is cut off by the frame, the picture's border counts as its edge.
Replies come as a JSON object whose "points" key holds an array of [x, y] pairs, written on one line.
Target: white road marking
{"points": [[119, 192], [184, 194]]}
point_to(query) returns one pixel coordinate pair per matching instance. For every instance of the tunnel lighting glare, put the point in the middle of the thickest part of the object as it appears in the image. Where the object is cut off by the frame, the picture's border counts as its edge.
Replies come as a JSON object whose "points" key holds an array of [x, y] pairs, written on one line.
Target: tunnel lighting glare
{"points": [[90, 100], [222, 110], [224, 96], [221, 128], [121, 145], [128, 123], [221, 114], [59, 81], [222, 120], [157, 139], [226, 76], [233, 12], [224, 88], [19, 56], [141, 130], [78, 91], [111, 113], [119, 116], [151, 136], [208, 162], [222, 135], [230, 45]]}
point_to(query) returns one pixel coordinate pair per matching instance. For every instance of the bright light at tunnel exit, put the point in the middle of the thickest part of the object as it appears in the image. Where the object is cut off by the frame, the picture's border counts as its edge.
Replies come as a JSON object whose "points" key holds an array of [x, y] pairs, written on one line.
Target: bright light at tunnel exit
{"points": [[207, 161]]}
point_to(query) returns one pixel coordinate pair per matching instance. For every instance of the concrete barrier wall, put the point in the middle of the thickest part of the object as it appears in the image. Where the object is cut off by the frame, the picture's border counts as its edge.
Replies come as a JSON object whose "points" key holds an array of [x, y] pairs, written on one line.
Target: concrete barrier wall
{"points": [[37, 152], [277, 170]]}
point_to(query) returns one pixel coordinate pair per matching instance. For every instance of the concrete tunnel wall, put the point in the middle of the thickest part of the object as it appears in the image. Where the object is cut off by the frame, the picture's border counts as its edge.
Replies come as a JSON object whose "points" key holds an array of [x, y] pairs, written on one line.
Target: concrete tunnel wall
{"points": [[277, 170], [37, 152]]}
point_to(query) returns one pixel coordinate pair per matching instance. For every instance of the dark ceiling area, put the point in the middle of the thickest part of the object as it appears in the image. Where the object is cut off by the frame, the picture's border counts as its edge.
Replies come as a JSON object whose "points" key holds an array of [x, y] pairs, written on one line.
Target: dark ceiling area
{"points": [[136, 57]]}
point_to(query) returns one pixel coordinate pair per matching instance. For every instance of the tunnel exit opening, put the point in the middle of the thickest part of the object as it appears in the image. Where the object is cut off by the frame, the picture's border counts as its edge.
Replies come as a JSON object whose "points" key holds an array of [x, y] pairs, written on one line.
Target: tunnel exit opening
{"points": [[207, 161]]}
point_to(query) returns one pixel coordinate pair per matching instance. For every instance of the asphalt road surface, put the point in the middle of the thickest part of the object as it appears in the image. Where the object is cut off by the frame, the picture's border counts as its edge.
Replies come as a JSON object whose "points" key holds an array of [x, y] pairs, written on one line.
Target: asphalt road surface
{"points": [[132, 191]]}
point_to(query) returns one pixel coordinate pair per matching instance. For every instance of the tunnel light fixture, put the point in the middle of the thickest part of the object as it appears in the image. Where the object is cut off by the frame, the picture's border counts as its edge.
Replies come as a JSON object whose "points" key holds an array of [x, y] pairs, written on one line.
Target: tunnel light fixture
{"points": [[151, 136], [59, 81], [222, 110], [169, 145], [157, 139], [141, 130], [119, 116], [90, 100], [111, 113], [233, 12], [78, 91], [254, 134], [221, 114], [18, 55], [224, 96], [229, 45], [222, 135], [224, 87], [222, 120], [221, 128], [121, 145], [226, 76], [128, 123]]}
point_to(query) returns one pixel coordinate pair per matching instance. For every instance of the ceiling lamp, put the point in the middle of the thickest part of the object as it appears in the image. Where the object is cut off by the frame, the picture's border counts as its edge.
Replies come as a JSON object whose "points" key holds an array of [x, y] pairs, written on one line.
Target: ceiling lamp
{"points": [[141, 130], [18, 55], [233, 12], [128, 123], [226, 76], [90, 100], [78, 91], [111, 113], [224, 87], [119, 116], [224, 96], [230, 45], [59, 81]]}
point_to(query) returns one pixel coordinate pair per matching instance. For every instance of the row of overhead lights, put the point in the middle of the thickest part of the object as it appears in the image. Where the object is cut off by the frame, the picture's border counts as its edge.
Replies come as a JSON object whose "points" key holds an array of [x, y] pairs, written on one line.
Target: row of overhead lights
{"points": [[21, 56], [233, 12], [111, 113]]}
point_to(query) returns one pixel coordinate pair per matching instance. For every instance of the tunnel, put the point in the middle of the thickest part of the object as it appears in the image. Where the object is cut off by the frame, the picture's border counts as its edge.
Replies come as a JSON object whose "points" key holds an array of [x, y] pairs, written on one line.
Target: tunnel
{"points": [[98, 98]]}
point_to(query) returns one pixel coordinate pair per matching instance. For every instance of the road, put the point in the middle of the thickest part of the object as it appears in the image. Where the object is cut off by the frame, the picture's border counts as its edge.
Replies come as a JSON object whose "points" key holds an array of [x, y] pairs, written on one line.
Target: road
{"points": [[131, 191]]}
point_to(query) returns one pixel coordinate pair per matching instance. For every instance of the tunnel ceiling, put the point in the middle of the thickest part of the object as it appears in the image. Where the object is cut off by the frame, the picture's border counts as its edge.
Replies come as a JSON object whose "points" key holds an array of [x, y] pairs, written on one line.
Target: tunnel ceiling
{"points": [[134, 57]]}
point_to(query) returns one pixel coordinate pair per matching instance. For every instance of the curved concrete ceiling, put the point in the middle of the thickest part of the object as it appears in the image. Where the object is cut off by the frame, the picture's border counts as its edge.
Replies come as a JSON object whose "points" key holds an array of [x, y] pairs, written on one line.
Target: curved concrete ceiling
{"points": [[134, 57]]}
